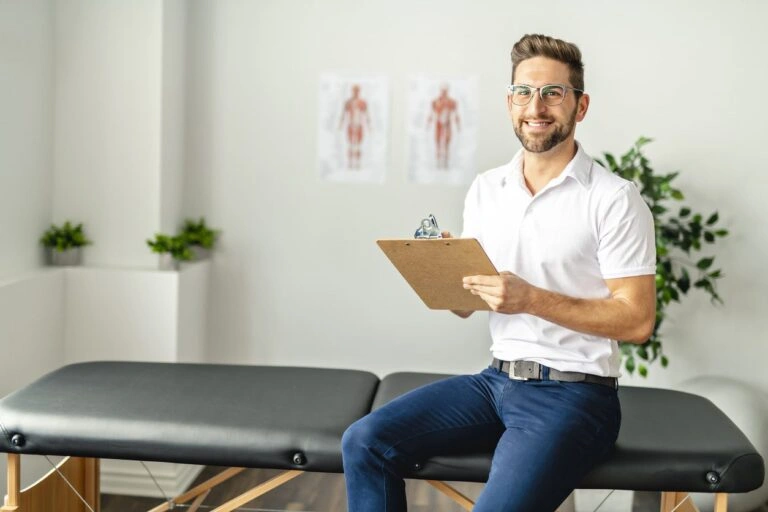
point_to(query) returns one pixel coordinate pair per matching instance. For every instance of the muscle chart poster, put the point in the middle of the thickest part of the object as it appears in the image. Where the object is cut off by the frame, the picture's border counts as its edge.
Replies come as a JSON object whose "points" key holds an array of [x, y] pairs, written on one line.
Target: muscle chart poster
{"points": [[442, 130], [352, 128]]}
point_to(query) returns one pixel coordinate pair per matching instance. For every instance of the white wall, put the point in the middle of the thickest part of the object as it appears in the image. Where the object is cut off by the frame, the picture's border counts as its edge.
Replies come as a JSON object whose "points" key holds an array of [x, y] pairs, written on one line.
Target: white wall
{"points": [[128, 315], [26, 103], [30, 301], [107, 141], [192, 314], [31, 326], [31, 341], [173, 107], [135, 315], [299, 279]]}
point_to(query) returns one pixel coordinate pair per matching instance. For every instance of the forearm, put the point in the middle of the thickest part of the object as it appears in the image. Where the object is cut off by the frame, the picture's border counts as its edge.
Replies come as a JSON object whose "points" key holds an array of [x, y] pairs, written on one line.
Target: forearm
{"points": [[614, 318]]}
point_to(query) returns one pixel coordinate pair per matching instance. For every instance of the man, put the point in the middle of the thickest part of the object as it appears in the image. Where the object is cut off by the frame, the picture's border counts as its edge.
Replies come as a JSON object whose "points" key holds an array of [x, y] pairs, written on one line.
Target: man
{"points": [[575, 244], [444, 113], [355, 114]]}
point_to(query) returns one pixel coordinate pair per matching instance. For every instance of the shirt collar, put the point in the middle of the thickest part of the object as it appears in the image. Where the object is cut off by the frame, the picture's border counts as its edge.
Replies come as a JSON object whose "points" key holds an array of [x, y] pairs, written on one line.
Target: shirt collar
{"points": [[579, 168]]}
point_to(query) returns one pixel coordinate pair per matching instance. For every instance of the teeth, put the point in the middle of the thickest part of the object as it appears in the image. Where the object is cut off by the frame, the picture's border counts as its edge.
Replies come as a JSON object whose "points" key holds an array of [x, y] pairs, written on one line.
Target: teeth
{"points": [[533, 123]]}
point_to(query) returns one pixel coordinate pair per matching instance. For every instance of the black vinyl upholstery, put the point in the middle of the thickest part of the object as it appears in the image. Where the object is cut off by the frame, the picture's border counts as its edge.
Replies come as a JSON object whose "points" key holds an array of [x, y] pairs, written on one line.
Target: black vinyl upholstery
{"points": [[225, 415], [669, 441], [293, 418]]}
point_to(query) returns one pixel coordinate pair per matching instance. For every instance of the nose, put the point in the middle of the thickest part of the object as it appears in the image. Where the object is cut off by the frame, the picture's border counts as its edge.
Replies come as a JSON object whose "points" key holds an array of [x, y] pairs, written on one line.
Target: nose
{"points": [[537, 104]]}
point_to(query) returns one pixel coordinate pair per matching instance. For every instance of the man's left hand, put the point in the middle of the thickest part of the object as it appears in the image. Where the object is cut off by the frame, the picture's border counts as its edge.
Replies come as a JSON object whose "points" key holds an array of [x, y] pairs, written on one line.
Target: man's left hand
{"points": [[504, 293]]}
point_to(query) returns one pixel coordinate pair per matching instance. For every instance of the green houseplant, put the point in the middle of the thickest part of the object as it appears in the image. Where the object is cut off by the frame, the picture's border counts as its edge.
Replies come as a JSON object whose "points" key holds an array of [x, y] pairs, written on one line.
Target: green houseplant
{"points": [[199, 236], [681, 234], [64, 243], [172, 250]]}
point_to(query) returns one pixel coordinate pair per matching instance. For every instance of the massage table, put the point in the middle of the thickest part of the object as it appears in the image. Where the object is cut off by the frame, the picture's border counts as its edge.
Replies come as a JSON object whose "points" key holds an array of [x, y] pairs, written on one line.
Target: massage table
{"points": [[292, 419]]}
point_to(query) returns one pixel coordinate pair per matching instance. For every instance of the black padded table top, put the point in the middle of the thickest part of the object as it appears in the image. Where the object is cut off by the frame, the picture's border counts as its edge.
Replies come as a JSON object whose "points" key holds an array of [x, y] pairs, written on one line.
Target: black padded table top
{"points": [[669, 441], [293, 418], [226, 415]]}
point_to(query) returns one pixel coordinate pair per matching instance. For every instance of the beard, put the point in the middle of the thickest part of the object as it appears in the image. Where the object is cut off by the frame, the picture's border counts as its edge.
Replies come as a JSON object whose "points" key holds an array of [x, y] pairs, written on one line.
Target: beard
{"points": [[543, 143]]}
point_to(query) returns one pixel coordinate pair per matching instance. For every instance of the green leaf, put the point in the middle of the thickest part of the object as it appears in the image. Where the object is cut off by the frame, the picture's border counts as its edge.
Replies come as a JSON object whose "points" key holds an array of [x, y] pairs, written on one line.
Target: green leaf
{"points": [[679, 231], [629, 364], [642, 141], [65, 237]]}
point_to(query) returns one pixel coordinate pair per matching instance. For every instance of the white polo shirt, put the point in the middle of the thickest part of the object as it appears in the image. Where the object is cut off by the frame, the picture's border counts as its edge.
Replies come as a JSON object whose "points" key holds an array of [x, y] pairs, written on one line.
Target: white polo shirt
{"points": [[583, 227]]}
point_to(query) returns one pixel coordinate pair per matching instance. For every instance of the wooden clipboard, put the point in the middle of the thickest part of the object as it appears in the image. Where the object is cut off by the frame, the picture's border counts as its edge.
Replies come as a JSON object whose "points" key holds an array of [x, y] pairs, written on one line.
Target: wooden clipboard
{"points": [[435, 268]]}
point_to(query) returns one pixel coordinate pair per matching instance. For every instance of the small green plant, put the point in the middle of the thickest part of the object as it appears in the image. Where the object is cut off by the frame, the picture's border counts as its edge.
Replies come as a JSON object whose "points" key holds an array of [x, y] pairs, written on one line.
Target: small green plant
{"points": [[197, 233], [65, 237], [680, 234], [176, 246]]}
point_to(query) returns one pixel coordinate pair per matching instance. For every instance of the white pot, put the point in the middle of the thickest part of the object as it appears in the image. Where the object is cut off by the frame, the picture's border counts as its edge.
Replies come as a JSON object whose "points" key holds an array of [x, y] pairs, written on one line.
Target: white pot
{"points": [[200, 253], [167, 262], [67, 257]]}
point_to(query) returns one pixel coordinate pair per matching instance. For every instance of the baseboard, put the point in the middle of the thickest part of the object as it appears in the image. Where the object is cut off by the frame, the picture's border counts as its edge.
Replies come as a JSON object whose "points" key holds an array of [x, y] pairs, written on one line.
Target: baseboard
{"points": [[129, 478]]}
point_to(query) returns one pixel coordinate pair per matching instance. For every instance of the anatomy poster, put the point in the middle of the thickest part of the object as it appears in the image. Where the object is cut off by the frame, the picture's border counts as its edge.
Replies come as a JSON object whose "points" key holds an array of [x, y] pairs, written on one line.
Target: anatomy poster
{"points": [[442, 130], [353, 127]]}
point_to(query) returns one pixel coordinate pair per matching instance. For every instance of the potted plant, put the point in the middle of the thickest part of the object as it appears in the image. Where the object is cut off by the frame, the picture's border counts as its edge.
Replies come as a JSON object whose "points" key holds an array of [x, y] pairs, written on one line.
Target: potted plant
{"points": [[63, 243], [680, 235], [200, 237], [172, 250]]}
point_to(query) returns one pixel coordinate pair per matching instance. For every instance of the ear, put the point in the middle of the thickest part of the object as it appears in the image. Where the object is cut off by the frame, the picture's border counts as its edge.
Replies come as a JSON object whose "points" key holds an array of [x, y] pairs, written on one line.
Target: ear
{"points": [[581, 109]]}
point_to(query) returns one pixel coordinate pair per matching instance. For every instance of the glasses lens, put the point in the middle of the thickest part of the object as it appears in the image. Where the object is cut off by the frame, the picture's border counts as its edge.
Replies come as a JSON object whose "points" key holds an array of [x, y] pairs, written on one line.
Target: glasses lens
{"points": [[552, 94], [521, 94]]}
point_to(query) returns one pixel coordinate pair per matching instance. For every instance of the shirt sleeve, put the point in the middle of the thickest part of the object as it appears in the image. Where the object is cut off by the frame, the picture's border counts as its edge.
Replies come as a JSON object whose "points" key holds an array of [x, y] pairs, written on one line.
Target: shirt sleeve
{"points": [[627, 244]]}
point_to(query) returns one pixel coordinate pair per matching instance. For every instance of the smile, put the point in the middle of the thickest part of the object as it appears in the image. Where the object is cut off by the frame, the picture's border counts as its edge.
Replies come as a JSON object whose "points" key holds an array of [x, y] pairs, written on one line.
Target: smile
{"points": [[538, 124]]}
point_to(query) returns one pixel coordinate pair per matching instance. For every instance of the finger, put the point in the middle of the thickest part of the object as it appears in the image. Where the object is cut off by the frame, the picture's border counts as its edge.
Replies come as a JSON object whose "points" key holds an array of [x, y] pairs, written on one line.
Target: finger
{"points": [[481, 280], [488, 299], [486, 291], [481, 287]]}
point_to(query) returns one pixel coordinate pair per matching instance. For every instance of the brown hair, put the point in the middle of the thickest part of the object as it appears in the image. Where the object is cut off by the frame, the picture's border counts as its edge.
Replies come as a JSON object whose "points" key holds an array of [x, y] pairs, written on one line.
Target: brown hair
{"points": [[537, 45]]}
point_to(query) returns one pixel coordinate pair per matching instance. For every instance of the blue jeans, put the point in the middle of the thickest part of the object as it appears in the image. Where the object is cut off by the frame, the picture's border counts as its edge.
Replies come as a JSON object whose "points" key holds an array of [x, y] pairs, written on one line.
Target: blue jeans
{"points": [[547, 436]]}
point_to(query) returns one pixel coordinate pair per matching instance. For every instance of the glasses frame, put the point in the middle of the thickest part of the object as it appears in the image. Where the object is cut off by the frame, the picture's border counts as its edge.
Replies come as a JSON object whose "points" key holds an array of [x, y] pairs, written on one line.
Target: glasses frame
{"points": [[511, 91]]}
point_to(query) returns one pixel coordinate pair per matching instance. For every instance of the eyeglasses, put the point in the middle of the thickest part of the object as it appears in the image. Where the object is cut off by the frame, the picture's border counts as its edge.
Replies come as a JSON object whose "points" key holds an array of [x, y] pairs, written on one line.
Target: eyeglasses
{"points": [[551, 95]]}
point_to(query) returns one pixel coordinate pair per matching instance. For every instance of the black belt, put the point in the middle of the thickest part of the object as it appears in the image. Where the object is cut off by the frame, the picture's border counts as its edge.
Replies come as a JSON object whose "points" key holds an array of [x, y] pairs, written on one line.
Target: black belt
{"points": [[530, 370]]}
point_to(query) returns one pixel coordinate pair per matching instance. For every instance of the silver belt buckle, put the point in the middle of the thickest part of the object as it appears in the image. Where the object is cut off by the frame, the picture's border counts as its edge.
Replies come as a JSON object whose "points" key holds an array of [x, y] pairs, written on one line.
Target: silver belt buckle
{"points": [[523, 370]]}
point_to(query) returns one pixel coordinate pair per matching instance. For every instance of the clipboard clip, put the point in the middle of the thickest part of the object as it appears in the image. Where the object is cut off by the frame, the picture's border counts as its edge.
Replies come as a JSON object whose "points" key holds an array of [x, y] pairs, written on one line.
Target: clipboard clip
{"points": [[428, 229]]}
